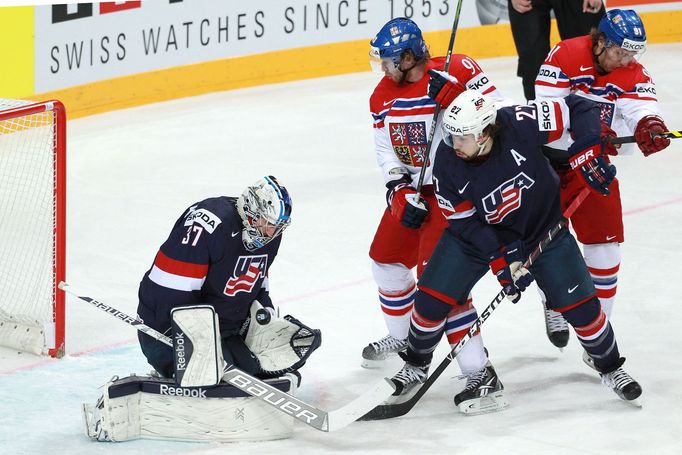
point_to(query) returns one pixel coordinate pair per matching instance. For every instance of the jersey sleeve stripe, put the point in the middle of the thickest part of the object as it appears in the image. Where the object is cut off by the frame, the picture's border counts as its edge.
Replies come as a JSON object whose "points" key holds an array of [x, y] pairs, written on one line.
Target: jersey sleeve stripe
{"points": [[637, 97], [414, 111], [559, 85], [177, 282], [180, 268]]}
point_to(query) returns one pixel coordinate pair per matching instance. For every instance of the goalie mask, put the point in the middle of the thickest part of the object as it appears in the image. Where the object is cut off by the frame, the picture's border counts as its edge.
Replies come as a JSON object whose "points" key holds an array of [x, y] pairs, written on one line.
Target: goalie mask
{"points": [[265, 210]]}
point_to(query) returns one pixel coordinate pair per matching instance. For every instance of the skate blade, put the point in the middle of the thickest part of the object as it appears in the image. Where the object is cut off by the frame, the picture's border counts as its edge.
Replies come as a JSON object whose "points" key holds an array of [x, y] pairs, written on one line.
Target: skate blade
{"points": [[636, 403], [372, 364], [490, 403], [403, 397]]}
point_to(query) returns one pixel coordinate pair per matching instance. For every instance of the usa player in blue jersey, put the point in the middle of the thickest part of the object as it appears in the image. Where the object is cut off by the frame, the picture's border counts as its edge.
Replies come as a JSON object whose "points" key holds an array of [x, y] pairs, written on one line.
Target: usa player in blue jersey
{"points": [[219, 253], [500, 195]]}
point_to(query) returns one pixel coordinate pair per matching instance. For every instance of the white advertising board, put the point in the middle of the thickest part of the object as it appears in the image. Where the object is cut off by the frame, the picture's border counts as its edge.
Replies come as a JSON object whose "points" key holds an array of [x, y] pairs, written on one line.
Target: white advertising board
{"points": [[85, 42]]}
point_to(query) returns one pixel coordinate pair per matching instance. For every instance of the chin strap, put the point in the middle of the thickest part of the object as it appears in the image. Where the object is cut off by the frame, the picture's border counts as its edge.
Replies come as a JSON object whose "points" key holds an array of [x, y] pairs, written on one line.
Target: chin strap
{"points": [[600, 70], [480, 149]]}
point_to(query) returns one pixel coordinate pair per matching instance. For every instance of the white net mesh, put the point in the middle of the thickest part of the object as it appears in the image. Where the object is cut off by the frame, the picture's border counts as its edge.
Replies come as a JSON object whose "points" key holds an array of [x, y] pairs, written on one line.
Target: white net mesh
{"points": [[27, 221]]}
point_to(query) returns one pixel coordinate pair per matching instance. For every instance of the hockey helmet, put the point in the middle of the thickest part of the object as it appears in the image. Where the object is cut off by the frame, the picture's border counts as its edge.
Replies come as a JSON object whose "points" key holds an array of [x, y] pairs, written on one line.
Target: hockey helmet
{"points": [[623, 28], [265, 210], [469, 113], [394, 38]]}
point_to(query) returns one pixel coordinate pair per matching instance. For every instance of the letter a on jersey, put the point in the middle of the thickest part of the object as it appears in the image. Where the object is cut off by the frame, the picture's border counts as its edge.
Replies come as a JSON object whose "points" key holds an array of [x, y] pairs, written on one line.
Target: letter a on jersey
{"points": [[517, 157]]}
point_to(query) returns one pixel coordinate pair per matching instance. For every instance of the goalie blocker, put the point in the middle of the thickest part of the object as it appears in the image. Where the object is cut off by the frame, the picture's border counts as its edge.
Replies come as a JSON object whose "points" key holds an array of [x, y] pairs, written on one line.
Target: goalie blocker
{"points": [[276, 345], [156, 408]]}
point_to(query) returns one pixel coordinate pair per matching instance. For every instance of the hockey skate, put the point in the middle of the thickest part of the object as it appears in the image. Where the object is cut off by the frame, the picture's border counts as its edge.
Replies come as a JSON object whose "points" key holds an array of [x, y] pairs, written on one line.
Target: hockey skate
{"points": [[406, 382], [625, 387], [482, 393], [557, 328], [375, 354], [587, 360]]}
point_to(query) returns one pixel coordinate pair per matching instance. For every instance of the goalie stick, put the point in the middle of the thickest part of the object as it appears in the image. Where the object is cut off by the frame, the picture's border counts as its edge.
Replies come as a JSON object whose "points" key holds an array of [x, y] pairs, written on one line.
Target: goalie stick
{"points": [[310, 415], [628, 139], [389, 411]]}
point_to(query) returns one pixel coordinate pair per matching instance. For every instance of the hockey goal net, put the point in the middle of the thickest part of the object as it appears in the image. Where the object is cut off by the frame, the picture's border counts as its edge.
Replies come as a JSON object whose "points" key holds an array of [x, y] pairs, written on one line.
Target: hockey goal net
{"points": [[32, 228]]}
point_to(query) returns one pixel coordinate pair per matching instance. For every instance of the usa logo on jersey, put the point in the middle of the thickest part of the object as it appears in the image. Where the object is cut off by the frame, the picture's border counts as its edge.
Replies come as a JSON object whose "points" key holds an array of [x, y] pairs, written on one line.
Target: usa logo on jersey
{"points": [[246, 272], [505, 198]]}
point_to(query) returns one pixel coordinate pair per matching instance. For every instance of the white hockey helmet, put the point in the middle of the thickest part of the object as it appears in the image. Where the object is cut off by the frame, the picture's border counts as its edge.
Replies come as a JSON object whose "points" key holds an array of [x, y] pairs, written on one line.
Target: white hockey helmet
{"points": [[469, 113], [262, 206]]}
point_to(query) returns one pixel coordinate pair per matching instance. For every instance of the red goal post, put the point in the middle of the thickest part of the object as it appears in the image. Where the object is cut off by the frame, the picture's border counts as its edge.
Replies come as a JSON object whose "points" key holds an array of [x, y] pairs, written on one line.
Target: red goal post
{"points": [[32, 225]]}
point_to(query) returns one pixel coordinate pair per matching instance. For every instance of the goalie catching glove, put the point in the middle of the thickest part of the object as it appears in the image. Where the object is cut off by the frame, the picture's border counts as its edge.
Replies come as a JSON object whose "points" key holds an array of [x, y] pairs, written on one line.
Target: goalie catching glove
{"points": [[281, 345]]}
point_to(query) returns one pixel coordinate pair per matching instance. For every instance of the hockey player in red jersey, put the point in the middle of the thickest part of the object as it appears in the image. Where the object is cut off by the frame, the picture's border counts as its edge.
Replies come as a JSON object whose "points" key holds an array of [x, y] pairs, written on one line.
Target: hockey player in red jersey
{"points": [[603, 67], [402, 106]]}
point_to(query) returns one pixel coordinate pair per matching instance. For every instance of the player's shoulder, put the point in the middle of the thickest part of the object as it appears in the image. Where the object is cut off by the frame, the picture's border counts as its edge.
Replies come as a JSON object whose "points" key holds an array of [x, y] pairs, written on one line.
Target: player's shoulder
{"points": [[508, 114], [572, 53], [385, 90], [519, 122], [213, 214]]}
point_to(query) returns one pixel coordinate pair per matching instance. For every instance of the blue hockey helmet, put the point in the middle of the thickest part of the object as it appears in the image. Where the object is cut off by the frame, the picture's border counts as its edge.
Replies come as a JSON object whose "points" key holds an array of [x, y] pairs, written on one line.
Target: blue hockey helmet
{"points": [[623, 28], [395, 37], [265, 210]]}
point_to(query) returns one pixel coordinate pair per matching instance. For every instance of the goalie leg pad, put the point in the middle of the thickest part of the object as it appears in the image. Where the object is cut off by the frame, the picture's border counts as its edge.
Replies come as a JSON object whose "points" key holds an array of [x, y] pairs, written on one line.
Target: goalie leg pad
{"points": [[281, 345], [196, 346], [153, 408]]}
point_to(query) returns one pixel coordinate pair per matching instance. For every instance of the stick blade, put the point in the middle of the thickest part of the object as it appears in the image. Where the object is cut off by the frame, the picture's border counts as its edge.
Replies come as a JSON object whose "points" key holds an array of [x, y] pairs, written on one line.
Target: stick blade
{"points": [[361, 406], [388, 411]]}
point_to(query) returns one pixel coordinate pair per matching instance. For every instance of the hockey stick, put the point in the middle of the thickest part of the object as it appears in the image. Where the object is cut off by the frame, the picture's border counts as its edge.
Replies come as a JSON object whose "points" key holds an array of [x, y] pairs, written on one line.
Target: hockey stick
{"points": [[390, 411], [628, 139], [283, 402], [436, 113]]}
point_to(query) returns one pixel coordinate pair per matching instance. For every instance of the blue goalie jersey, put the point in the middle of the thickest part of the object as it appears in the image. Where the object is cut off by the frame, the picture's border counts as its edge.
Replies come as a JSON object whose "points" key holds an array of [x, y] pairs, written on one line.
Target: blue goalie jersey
{"points": [[204, 261], [514, 193]]}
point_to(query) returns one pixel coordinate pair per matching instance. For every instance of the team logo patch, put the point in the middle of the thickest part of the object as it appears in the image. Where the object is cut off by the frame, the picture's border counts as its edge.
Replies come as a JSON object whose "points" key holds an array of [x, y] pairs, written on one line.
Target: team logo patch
{"points": [[246, 273], [506, 198], [409, 142], [606, 111]]}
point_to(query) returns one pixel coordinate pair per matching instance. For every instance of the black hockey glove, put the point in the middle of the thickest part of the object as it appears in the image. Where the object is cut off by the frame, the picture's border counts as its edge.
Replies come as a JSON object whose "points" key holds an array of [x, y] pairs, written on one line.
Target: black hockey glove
{"points": [[415, 212], [588, 161], [507, 265]]}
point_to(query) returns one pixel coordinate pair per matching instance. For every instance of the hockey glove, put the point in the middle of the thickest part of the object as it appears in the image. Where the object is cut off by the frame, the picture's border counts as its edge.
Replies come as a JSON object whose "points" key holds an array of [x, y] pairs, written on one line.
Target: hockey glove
{"points": [[415, 212], [405, 209], [507, 265], [586, 159], [444, 87], [645, 132], [607, 134]]}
